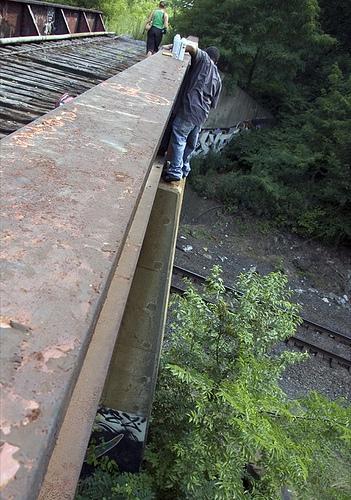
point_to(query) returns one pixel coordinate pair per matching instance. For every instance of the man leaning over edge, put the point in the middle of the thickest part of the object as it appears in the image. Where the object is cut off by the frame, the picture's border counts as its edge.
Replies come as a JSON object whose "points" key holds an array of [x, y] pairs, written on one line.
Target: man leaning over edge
{"points": [[201, 94]]}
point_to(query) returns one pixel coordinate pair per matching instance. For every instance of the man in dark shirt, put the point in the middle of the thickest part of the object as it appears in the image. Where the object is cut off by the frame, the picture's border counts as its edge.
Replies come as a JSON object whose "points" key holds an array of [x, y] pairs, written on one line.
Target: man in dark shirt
{"points": [[201, 93]]}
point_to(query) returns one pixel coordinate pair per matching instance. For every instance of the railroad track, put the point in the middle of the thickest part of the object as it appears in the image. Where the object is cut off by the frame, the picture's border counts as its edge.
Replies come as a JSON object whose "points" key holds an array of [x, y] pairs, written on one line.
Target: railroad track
{"points": [[334, 338]]}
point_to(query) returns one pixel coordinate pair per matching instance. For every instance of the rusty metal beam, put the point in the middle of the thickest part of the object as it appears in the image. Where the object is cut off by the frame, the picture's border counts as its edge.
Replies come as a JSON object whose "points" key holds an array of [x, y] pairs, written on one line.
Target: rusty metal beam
{"points": [[54, 4], [99, 23], [32, 18], [67, 458], [46, 38], [132, 377], [145, 266], [71, 184], [65, 21], [85, 22], [17, 18]]}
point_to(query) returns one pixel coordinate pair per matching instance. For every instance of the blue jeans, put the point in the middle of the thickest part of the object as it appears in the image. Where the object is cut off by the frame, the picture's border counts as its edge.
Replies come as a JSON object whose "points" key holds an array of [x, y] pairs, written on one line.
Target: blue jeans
{"points": [[183, 142]]}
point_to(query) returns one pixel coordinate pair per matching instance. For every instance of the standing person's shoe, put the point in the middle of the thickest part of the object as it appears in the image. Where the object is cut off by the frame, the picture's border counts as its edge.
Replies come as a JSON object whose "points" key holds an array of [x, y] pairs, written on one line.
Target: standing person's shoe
{"points": [[169, 177], [166, 166]]}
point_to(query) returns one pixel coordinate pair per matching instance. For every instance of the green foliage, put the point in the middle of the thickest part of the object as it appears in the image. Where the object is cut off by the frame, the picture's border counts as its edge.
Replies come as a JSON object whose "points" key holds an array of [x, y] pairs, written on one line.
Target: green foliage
{"points": [[218, 393], [103, 462], [221, 426], [110, 485], [128, 16], [335, 17], [264, 44], [298, 173], [295, 58]]}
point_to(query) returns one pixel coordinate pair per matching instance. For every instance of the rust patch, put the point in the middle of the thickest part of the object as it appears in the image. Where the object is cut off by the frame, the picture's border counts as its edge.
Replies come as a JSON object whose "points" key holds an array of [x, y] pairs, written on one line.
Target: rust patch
{"points": [[120, 177], [125, 193], [9, 465], [45, 128], [147, 97], [53, 352], [123, 176]]}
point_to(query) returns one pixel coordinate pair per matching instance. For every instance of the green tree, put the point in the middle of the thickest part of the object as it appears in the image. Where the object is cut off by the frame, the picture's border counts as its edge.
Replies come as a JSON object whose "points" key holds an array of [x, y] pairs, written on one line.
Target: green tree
{"points": [[127, 16], [298, 173], [264, 44], [221, 427], [335, 19], [295, 58], [219, 406]]}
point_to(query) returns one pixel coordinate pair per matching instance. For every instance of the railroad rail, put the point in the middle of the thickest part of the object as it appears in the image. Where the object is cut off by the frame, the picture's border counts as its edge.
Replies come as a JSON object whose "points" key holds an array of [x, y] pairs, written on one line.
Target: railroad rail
{"points": [[35, 75], [89, 237], [297, 340], [21, 18]]}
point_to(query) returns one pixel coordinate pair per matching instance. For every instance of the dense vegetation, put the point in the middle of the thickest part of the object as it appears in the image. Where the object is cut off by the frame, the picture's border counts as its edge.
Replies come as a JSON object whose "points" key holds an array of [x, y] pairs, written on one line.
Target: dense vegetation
{"points": [[221, 427], [121, 16], [295, 58]]}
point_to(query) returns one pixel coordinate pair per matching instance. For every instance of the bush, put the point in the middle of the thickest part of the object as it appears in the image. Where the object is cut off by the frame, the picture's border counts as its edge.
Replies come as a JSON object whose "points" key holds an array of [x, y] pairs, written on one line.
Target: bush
{"points": [[298, 172], [221, 426]]}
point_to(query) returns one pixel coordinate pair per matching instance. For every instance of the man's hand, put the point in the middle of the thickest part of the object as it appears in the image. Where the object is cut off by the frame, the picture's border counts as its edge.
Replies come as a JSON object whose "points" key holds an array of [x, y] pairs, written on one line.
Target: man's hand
{"points": [[191, 47]]}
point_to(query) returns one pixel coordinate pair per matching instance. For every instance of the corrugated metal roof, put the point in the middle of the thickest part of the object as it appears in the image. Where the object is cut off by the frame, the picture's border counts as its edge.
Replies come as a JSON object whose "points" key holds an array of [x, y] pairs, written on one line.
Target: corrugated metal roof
{"points": [[35, 75]]}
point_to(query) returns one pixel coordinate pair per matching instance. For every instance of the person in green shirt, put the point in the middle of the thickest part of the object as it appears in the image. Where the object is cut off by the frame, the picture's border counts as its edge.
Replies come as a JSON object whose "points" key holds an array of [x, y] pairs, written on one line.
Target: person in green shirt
{"points": [[157, 24]]}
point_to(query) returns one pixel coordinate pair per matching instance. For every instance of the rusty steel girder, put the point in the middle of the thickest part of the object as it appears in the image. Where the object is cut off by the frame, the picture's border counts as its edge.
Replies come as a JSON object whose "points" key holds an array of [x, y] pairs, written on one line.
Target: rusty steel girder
{"points": [[33, 18], [71, 186]]}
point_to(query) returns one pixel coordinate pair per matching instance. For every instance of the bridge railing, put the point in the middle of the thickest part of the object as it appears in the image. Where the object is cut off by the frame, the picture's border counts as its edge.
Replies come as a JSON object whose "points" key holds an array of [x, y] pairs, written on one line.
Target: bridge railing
{"points": [[19, 18]]}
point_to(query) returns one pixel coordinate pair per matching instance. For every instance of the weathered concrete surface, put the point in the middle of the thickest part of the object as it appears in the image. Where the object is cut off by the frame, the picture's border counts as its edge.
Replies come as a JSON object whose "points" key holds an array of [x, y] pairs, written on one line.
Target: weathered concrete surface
{"points": [[234, 108], [71, 183]]}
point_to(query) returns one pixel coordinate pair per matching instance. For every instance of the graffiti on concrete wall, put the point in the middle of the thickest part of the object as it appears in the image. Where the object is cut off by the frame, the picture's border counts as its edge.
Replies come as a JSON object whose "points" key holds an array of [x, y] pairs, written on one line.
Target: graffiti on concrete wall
{"points": [[118, 435], [215, 139]]}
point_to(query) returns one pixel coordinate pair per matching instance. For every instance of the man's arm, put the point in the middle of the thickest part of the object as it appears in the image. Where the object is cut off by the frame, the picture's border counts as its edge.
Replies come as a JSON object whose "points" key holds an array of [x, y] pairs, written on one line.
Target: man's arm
{"points": [[216, 96], [192, 49]]}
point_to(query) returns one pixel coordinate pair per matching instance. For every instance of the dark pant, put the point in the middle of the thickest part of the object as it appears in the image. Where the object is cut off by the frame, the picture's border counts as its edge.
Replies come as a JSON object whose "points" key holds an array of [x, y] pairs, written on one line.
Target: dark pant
{"points": [[154, 37]]}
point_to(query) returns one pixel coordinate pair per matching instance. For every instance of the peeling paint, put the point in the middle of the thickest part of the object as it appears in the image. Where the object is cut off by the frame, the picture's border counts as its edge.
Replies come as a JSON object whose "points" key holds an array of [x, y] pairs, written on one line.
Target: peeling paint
{"points": [[9, 323], [9, 465], [15, 410], [5, 322], [52, 352], [125, 193]]}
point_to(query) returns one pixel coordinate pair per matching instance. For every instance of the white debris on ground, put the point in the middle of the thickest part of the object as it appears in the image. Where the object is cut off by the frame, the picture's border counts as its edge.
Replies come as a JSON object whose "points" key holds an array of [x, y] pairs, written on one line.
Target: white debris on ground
{"points": [[319, 277]]}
